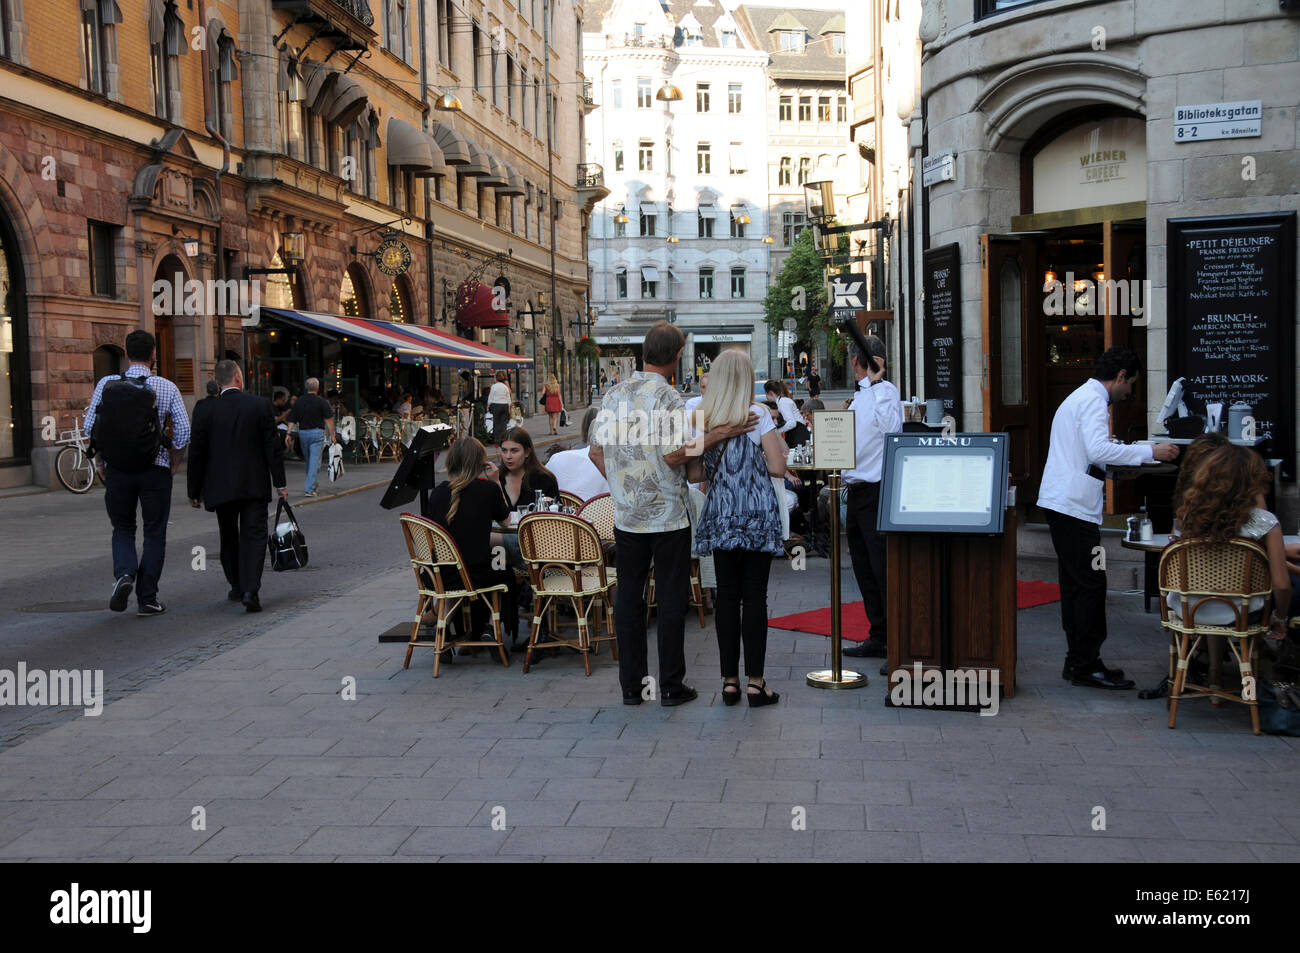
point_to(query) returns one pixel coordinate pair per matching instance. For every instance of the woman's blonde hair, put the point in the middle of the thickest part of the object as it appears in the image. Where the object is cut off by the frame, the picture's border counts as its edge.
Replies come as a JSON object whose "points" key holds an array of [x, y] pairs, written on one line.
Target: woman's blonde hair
{"points": [[465, 463], [730, 393], [552, 383]]}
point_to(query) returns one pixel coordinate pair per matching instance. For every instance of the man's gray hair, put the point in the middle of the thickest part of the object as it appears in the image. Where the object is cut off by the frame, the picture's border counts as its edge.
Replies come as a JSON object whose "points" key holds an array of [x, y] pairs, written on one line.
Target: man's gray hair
{"points": [[225, 372], [588, 419], [874, 345], [312, 385]]}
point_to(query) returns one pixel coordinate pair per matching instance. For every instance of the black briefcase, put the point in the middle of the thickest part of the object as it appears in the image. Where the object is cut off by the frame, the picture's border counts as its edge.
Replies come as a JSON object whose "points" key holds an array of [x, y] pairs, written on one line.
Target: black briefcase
{"points": [[287, 544]]}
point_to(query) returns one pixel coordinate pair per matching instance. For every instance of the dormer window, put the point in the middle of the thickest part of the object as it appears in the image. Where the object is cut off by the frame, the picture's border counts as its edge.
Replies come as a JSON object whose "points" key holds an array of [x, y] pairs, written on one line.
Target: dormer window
{"points": [[792, 41], [727, 39], [837, 43]]}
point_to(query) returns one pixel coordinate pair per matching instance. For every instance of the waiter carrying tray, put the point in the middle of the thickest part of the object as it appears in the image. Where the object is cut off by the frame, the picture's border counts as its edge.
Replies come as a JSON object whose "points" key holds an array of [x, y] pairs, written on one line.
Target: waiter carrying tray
{"points": [[1071, 495]]}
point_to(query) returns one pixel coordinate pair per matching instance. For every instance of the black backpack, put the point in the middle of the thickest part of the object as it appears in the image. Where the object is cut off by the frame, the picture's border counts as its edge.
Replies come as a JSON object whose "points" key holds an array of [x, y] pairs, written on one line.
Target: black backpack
{"points": [[127, 432]]}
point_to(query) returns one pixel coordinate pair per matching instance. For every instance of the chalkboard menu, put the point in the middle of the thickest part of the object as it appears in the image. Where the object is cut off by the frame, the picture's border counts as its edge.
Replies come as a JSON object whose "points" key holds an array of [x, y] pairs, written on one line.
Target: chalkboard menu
{"points": [[942, 326], [1232, 319]]}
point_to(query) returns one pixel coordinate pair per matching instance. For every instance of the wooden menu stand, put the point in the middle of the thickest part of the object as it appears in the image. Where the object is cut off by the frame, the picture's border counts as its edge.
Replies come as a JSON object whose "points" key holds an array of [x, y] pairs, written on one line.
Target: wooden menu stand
{"points": [[952, 601]]}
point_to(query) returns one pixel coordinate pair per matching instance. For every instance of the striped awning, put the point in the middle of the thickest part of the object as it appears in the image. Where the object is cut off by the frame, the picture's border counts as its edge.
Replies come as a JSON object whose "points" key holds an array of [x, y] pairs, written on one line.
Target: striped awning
{"points": [[409, 343]]}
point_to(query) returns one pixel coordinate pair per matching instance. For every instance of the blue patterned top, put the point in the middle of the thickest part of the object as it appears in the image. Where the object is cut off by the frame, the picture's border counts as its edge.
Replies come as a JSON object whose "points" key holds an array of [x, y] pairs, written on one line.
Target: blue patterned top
{"points": [[740, 511]]}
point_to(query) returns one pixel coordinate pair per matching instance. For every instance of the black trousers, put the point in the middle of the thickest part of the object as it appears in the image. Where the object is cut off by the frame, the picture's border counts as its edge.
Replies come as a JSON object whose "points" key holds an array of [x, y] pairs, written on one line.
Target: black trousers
{"points": [[151, 489], [243, 543], [742, 609], [867, 553], [671, 555], [1083, 588], [500, 417]]}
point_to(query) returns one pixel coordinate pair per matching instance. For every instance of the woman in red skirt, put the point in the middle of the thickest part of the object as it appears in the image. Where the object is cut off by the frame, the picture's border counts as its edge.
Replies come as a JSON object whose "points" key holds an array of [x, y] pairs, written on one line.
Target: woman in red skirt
{"points": [[553, 402]]}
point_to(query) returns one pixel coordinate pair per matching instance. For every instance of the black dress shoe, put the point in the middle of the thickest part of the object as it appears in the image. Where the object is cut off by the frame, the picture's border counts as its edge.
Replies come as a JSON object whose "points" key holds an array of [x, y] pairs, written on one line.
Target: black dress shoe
{"points": [[234, 596], [680, 697], [884, 670], [251, 602], [871, 648], [1100, 678], [632, 699], [1115, 673]]}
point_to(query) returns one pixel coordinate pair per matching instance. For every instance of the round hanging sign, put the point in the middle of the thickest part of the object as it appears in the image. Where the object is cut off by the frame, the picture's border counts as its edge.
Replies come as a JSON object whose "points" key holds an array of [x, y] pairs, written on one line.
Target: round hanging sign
{"points": [[393, 257]]}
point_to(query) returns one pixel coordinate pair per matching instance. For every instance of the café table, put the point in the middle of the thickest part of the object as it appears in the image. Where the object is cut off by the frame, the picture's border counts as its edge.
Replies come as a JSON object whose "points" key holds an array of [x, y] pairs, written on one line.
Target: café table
{"points": [[814, 476]]}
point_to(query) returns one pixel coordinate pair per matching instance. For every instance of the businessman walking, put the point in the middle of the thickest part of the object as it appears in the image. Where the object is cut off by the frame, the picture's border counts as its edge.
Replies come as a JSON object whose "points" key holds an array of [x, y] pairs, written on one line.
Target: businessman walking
{"points": [[235, 458]]}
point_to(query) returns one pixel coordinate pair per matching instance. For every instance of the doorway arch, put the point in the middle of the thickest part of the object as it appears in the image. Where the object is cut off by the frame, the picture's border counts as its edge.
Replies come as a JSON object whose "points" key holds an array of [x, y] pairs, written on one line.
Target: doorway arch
{"points": [[15, 372], [171, 271]]}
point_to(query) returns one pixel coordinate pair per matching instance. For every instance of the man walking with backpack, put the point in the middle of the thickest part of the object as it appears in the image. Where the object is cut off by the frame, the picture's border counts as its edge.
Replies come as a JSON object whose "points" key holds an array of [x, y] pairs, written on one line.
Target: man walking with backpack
{"points": [[126, 419]]}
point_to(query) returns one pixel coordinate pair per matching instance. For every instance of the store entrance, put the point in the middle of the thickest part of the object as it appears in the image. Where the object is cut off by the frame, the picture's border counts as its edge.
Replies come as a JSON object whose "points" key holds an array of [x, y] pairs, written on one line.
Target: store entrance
{"points": [[1053, 301]]}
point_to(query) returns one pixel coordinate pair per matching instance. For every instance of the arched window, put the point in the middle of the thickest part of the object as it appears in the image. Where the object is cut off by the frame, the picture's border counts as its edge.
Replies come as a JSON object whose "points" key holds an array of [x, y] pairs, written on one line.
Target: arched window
{"points": [[353, 298], [803, 170], [400, 303], [783, 175], [279, 288]]}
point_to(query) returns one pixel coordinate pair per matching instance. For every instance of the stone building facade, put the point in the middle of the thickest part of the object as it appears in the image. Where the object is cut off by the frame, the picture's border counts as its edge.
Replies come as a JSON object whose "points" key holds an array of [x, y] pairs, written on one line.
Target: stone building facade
{"points": [[1062, 118]]}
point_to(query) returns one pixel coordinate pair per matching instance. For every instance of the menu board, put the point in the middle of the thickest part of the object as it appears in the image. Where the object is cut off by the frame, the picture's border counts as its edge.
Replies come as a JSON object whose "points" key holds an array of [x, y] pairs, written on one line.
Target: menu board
{"points": [[938, 484], [836, 445], [942, 327], [1232, 319]]}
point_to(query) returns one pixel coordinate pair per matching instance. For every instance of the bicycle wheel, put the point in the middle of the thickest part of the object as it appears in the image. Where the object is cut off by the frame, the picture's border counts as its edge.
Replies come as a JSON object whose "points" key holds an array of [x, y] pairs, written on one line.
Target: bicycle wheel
{"points": [[76, 470]]}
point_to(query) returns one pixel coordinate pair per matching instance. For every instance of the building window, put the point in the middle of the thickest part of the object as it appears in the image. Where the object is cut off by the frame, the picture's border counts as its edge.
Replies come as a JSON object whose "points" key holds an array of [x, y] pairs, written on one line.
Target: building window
{"points": [[792, 224], [444, 34], [706, 282], [98, 43], [510, 86], [168, 40], [476, 54], [616, 93], [703, 159], [638, 33], [620, 282], [646, 156], [103, 259], [644, 98], [692, 36], [792, 41], [805, 109], [736, 155], [537, 106], [356, 168], [352, 293], [783, 171], [648, 221], [649, 289], [397, 29], [837, 44], [823, 109], [222, 63], [803, 169], [841, 109], [733, 97], [785, 112], [701, 97], [727, 38], [618, 157], [495, 63], [737, 226], [705, 226], [738, 282], [6, 22]]}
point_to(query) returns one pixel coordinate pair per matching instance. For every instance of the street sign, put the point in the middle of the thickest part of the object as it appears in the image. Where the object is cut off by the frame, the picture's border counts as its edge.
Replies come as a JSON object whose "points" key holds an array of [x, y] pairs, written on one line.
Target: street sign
{"points": [[938, 168], [848, 295], [1218, 121], [789, 324]]}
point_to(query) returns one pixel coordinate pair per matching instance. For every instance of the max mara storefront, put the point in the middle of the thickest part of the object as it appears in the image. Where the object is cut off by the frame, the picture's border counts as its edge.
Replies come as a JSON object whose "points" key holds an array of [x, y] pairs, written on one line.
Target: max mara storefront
{"points": [[1110, 196]]}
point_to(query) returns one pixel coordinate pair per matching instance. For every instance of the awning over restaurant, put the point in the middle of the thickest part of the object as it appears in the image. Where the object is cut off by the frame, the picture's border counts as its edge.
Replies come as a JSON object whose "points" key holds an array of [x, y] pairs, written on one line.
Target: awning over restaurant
{"points": [[408, 147], [455, 149], [474, 307], [410, 343]]}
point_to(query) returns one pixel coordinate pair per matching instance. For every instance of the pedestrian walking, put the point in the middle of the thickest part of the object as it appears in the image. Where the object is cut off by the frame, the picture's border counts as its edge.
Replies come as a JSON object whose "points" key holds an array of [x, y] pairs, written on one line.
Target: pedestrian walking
{"points": [[235, 460], [878, 410], [1071, 497], [741, 523], [645, 468], [127, 420], [553, 402], [499, 406], [314, 418], [814, 383]]}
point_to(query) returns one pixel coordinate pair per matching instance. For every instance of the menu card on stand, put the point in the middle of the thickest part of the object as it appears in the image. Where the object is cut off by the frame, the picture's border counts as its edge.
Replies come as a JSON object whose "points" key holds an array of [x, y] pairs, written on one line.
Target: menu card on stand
{"points": [[835, 443]]}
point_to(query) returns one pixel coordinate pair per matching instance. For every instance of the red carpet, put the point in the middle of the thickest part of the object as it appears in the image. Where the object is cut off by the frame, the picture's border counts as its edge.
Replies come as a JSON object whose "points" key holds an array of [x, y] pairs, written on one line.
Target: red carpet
{"points": [[856, 628]]}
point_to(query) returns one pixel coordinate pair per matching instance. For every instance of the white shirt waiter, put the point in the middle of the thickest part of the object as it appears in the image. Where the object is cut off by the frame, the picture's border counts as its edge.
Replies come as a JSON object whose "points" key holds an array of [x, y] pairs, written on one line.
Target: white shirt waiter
{"points": [[877, 410]]}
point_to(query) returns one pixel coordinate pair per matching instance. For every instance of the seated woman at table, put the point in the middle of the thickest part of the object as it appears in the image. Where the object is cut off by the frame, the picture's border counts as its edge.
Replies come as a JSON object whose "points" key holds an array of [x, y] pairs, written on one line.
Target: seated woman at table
{"points": [[1224, 499], [467, 504], [1191, 461], [522, 474]]}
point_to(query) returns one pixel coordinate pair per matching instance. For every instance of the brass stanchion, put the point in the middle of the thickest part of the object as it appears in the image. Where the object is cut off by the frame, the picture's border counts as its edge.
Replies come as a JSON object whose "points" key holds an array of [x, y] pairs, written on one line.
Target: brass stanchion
{"points": [[835, 677]]}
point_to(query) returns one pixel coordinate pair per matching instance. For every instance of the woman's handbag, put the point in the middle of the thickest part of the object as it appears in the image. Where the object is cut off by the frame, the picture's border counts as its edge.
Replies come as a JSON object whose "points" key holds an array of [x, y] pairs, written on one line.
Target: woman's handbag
{"points": [[564, 417], [287, 544]]}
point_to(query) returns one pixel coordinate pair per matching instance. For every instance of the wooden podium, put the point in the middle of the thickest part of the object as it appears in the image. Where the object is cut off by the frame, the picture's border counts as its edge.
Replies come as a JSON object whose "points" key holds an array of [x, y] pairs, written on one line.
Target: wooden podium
{"points": [[974, 602]]}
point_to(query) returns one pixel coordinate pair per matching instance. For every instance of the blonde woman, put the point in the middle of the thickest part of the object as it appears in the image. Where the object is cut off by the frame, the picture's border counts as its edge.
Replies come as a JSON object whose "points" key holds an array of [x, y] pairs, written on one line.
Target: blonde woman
{"points": [[553, 402], [740, 523], [466, 505]]}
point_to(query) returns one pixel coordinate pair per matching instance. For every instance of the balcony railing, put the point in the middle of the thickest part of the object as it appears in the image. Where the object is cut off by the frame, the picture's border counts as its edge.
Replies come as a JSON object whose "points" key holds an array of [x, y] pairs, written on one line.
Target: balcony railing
{"points": [[590, 176], [587, 98], [358, 10], [613, 41]]}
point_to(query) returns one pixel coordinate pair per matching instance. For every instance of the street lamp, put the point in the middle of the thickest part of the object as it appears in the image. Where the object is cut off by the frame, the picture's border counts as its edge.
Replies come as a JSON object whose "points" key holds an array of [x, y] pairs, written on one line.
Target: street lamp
{"points": [[668, 93], [447, 103]]}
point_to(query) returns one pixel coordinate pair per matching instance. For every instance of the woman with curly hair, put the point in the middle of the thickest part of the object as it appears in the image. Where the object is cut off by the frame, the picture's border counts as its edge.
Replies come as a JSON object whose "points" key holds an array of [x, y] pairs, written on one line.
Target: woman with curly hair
{"points": [[1223, 500]]}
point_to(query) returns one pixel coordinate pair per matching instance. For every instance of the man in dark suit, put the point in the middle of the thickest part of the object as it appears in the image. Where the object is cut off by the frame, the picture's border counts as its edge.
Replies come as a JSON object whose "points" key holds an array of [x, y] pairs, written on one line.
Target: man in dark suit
{"points": [[235, 457]]}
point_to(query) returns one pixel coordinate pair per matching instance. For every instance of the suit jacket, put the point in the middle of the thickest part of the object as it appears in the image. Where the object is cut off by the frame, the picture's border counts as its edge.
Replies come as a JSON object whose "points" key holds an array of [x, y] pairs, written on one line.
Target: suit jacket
{"points": [[235, 450]]}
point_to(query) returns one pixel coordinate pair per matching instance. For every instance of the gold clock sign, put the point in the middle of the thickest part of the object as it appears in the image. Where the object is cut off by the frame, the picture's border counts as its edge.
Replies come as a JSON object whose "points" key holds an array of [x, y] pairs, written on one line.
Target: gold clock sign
{"points": [[393, 257]]}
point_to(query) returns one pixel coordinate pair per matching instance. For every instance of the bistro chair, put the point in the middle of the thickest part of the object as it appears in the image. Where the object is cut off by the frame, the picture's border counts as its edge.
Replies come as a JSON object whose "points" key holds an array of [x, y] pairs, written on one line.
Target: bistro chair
{"points": [[390, 437], [599, 512], [434, 554], [571, 499], [1199, 572], [566, 564], [367, 442]]}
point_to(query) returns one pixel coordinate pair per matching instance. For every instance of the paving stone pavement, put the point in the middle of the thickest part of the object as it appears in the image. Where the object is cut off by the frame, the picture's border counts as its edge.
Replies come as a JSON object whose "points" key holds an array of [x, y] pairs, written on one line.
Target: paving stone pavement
{"points": [[486, 763]]}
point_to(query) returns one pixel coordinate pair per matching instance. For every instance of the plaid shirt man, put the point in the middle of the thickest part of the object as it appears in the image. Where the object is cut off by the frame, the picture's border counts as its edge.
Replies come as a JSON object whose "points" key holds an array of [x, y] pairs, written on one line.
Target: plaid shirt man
{"points": [[170, 404]]}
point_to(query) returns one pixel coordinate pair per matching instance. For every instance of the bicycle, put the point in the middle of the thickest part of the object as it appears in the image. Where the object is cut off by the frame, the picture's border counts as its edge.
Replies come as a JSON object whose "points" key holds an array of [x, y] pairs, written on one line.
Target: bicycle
{"points": [[73, 465]]}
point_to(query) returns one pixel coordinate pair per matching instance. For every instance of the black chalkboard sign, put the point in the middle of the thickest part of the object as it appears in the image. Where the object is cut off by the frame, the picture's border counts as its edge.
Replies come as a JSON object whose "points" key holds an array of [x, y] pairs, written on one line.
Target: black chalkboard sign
{"points": [[942, 344], [1232, 319]]}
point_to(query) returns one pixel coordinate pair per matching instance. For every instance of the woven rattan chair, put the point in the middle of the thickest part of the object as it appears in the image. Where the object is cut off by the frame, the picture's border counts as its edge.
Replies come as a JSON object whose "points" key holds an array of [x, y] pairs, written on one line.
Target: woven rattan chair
{"points": [[571, 499], [566, 564], [390, 437], [599, 512], [367, 437], [433, 553], [697, 592], [1200, 572]]}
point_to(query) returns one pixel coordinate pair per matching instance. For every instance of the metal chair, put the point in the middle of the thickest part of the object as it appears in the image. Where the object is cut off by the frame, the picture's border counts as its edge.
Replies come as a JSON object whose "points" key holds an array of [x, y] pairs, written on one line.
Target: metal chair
{"points": [[433, 552], [571, 499], [1200, 572], [566, 564]]}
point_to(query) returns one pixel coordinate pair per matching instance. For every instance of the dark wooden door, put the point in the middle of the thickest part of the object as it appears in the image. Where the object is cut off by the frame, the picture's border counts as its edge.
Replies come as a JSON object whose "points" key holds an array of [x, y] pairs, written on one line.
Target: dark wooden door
{"points": [[1122, 296]]}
